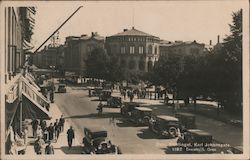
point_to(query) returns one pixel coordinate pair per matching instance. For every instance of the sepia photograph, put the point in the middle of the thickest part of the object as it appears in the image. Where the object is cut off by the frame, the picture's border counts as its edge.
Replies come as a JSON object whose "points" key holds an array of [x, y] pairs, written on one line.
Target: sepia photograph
{"points": [[124, 79]]}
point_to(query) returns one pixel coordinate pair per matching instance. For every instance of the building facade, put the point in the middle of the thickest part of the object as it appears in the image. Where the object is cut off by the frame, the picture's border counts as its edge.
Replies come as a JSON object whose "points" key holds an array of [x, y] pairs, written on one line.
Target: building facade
{"points": [[77, 49], [137, 51], [22, 97]]}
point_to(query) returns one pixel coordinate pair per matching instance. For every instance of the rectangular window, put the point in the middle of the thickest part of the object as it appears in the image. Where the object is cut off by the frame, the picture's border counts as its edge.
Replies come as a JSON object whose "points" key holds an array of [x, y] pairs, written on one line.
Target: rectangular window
{"points": [[122, 50], [141, 50], [131, 49]]}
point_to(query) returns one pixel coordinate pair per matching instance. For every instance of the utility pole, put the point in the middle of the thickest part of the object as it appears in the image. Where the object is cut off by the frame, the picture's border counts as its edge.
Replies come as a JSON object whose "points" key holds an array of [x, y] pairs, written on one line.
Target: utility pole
{"points": [[58, 28]]}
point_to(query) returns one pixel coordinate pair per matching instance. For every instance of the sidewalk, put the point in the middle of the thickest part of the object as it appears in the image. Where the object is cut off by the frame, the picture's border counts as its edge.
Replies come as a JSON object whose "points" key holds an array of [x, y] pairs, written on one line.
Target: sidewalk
{"points": [[61, 146]]}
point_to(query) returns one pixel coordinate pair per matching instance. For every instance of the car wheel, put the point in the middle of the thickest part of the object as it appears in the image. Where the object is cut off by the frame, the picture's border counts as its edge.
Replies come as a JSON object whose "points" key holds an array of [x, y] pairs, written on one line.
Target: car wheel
{"points": [[172, 131]]}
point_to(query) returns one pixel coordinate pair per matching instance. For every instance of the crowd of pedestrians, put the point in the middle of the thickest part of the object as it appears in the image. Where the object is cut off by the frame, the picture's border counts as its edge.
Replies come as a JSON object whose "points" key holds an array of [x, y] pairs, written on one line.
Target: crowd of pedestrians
{"points": [[46, 134]]}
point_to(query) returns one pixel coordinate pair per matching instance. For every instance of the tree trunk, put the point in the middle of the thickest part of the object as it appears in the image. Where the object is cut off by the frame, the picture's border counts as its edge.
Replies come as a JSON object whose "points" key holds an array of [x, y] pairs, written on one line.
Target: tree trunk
{"points": [[218, 109]]}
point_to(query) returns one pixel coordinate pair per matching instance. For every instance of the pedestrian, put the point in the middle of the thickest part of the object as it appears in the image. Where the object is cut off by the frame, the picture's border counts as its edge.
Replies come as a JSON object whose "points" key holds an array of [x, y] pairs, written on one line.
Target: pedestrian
{"points": [[49, 149], [131, 96], [61, 123], [71, 136], [34, 124], [43, 125], [39, 131], [51, 132], [39, 145], [56, 129]]}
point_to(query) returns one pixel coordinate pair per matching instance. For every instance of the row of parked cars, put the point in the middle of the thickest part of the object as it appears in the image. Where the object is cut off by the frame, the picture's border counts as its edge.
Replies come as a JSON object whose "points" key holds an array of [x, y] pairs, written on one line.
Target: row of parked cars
{"points": [[182, 125]]}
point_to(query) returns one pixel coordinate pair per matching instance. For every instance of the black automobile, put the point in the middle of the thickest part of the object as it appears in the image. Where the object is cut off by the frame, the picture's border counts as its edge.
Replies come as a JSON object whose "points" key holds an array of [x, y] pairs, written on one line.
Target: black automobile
{"points": [[127, 107], [61, 88], [196, 141], [166, 126], [114, 102], [104, 95], [141, 115], [96, 142], [187, 121]]}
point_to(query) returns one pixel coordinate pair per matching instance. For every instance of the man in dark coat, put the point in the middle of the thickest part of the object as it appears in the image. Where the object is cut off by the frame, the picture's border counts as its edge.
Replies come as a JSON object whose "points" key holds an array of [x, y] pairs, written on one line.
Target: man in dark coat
{"points": [[61, 123], [71, 136], [34, 124], [51, 132], [56, 129]]}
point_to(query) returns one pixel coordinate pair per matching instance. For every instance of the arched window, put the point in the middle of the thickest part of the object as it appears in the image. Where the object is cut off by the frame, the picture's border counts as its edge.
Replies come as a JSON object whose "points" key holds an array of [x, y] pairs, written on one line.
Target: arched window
{"points": [[150, 49]]}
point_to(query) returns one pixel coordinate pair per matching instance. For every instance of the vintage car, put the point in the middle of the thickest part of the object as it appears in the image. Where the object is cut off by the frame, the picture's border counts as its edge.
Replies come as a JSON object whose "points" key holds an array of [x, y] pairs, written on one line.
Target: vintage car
{"points": [[196, 141], [187, 121], [114, 101], [94, 91], [141, 115], [104, 95], [96, 142], [166, 126], [127, 107], [61, 88]]}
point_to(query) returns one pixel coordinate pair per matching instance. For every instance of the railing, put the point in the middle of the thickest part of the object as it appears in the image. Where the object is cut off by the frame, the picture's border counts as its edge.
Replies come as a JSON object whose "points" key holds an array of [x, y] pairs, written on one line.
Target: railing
{"points": [[36, 96], [31, 80]]}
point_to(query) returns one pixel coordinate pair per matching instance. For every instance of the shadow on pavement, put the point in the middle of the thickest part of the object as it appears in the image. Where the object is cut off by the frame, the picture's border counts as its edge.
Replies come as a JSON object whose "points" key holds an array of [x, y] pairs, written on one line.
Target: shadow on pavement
{"points": [[72, 150], [145, 133], [95, 115], [126, 123]]}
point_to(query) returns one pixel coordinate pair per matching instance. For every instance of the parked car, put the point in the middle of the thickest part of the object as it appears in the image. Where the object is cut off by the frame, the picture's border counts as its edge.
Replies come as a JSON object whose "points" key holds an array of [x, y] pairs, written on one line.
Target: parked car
{"points": [[141, 115], [96, 142], [104, 95], [163, 125], [114, 101], [94, 91], [187, 121], [61, 88], [127, 107], [196, 141]]}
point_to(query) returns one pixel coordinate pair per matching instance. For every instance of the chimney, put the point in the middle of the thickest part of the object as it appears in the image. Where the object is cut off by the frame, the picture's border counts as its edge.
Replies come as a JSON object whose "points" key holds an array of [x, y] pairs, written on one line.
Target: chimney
{"points": [[92, 34], [210, 42], [124, 30], [218, 39]]}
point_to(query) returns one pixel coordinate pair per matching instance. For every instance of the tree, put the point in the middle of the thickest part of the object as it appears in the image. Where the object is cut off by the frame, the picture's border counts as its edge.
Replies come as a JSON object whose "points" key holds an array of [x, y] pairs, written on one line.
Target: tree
{"points": [[225, 68], [97, 64]]}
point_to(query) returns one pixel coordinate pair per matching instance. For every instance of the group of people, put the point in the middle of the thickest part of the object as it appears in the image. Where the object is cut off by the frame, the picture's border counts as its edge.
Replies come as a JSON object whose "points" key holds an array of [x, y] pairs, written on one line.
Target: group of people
{"points": [[47, 134], [128, 93]]}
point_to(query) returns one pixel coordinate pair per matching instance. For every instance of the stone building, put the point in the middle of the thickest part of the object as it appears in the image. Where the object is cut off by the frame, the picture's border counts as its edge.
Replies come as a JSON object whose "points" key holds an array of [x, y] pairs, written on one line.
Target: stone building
{"points": [[77, 49], [137, 51]]}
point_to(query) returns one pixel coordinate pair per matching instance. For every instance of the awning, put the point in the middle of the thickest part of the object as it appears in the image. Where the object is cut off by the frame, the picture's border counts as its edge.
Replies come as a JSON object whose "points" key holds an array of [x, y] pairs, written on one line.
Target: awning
{"points": [[31, 111], [10, 110]]}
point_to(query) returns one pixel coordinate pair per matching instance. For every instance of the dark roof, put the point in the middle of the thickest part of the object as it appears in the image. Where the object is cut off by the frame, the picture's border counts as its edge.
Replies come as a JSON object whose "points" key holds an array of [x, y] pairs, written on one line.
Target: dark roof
{"points": [[133, 32]]}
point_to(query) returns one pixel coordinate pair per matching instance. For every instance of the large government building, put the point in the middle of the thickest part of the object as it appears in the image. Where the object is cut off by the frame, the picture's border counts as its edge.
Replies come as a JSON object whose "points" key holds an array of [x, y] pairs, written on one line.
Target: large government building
{"points": [[138, 51]]}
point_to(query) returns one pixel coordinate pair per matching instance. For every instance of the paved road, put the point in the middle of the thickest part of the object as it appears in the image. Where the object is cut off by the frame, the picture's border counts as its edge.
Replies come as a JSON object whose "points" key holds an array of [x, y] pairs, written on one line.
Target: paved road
{"points": [[80, 111]]}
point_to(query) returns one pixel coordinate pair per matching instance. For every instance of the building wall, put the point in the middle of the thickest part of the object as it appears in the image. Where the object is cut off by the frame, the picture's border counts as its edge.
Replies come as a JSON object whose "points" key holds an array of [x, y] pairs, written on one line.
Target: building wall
{"points": [[13, 43], [146, 50], [76, 51]]}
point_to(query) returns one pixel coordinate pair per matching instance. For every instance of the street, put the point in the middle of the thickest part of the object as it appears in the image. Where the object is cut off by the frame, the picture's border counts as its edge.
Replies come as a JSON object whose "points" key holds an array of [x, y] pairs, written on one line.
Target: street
{"points": [[80, 111]]}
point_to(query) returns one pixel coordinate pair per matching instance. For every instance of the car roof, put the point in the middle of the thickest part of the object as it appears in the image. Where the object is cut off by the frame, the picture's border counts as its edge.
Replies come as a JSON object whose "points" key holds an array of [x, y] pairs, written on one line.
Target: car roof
{"points": [[143, 108], [199, 132], [169, 118], [185, 114], [95, 129]]}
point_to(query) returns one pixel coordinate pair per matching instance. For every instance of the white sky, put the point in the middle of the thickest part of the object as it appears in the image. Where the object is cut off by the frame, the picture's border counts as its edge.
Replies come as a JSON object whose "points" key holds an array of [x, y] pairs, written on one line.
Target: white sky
{"points": [[180, 20]]}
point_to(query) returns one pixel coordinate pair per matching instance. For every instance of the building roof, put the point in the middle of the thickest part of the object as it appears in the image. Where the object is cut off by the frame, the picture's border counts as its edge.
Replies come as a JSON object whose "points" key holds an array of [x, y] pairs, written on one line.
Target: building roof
{"points": [[178, 43], [133, 32]]}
